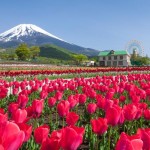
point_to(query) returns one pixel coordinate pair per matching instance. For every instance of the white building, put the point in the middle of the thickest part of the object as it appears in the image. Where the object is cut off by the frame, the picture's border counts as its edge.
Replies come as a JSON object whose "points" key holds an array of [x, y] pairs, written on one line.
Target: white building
{"points": [[114, 58]]}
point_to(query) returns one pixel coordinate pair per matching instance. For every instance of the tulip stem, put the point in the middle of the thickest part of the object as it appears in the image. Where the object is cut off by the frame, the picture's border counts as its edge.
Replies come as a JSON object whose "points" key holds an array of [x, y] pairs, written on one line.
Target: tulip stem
{"points": [[50, 118], [103, 140], [63, 123], [35, 123], [109, 138], [56, 119]]}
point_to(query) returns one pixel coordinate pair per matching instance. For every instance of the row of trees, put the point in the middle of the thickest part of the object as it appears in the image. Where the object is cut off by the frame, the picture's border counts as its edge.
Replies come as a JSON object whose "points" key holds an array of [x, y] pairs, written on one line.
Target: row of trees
{"points": [[79, 58], [24, 52], [137, 60]]}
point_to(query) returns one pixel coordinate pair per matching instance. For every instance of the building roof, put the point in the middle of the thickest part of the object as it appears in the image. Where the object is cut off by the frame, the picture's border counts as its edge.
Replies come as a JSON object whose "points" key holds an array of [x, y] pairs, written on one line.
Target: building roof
{"points": [[117, 52]]}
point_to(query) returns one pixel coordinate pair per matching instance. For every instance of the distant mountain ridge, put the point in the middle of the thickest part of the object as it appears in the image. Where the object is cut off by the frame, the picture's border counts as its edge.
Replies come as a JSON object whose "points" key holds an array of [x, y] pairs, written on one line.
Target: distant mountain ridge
{"points": [[52, 51], [34, 35]]}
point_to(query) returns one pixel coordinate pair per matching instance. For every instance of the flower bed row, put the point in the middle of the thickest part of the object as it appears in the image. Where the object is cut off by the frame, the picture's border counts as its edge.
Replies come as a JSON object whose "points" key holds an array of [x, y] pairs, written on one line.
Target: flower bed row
{"points": [[72, 71], [108, 112]]}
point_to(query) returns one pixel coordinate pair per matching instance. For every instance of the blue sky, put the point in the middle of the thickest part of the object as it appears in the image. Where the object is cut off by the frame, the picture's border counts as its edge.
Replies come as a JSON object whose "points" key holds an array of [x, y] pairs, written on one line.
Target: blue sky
{"points": [[99, 24]]}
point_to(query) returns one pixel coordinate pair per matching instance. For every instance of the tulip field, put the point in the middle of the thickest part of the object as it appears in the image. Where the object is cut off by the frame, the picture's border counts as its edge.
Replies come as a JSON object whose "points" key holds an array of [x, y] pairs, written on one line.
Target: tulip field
{"points": [[98, 113]]}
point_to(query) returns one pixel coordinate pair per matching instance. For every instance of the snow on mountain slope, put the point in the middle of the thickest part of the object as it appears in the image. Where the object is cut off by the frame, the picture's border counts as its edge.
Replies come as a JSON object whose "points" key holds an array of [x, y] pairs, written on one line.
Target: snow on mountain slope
{"points": [[23, 30], [33, 35]]}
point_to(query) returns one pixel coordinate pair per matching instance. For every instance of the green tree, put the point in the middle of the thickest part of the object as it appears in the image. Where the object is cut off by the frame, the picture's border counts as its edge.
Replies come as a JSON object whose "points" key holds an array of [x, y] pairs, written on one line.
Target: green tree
{"points": [[144, 61], [4, 56], [79, 58], [35, 50], [12, 56], [23, 52], [139, 61]]}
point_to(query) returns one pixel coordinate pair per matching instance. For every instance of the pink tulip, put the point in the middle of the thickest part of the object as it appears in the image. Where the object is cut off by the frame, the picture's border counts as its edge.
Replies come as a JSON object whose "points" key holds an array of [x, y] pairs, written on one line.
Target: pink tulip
{"points": [[113, 115], [145, 137], [72, 100], [58, 95], [20, 115], [72, 118], [37, 107], [127, 142], [75, 140], [41, 133], [3, 118], [82, 98], [63, 108], [54, 142], [91, 108], [130, 111], [11, 136], [13, 107], [43, 94], [27, 129], [147, 114], [51, 101], [99, 126], [22, 100]]}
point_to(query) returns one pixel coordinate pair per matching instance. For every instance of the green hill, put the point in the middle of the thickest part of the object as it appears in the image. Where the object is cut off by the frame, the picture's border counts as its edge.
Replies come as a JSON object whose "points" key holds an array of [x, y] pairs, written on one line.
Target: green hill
{"points": [[52, 51]]}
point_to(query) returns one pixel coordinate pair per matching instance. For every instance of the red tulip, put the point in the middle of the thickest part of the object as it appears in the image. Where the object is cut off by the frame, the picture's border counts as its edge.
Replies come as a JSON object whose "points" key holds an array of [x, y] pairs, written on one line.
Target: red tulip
{"points": [[110, 94], [51, 101], [82, 98], [91, 108], [139, 113], [72, 100], [135, 98], [72, 118], [92, 93], [15, 91], [58, 95], [75, 138], [108, 104], [3, 118], [45, 88], [142, 94], [29, 111], [41, 133], [43, 94], [113, 115], [142, 106], [37, 107], [2, 111], [101, 102], [99, 126], [145, 137], [147, 114], [22, 85], [26, 129], [130, 111], [127, 142], [11, 137], [22, 100], [3, 92], [12, 107], [20, 115], [16, 84], [35, 87], [54, 142], [122, 98], [63, 108]]}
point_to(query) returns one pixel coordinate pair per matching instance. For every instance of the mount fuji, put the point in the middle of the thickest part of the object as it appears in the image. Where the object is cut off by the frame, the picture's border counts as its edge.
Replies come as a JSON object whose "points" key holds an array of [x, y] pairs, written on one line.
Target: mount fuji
{"points": [[34, 35]]}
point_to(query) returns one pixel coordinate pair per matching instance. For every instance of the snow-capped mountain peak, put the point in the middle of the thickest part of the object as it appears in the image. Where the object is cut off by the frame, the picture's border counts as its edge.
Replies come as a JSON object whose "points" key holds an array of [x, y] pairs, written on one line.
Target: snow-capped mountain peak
{"points": [[23, 30], [34, 35]]}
